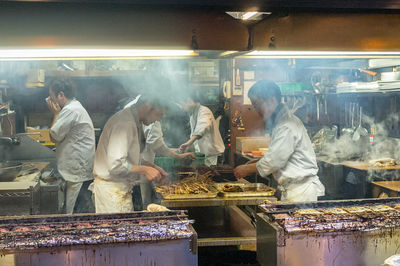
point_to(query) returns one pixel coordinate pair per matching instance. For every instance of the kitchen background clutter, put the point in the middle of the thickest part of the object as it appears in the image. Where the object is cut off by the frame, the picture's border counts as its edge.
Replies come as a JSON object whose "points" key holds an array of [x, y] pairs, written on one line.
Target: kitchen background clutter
{"points": [[349, 115]]}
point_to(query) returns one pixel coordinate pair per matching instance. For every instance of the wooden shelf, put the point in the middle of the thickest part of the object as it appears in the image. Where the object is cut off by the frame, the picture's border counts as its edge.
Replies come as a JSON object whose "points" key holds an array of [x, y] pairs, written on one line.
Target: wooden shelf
{"points": [[92, 73]]}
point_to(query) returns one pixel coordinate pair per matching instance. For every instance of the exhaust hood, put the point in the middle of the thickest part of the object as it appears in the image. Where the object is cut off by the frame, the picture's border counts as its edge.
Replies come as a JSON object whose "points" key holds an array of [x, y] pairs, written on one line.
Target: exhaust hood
{"points": [[298, 31], [84, 26]]}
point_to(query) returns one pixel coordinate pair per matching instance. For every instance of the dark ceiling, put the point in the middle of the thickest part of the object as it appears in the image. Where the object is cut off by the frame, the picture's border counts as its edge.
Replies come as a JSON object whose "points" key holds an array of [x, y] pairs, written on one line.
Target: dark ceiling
{"points": [[244, 5]]}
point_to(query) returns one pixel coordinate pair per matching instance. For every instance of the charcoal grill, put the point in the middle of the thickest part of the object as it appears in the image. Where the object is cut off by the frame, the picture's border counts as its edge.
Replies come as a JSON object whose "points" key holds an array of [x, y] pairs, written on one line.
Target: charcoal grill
{"points": [[141, 238], [364, 234]]}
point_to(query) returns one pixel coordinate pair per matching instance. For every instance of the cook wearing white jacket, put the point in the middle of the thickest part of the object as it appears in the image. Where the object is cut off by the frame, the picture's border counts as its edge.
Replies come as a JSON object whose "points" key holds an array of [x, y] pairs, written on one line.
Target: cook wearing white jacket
{"points": [[290, 157], [73, 133], [155, 145], [205, 135], [117, 165]]}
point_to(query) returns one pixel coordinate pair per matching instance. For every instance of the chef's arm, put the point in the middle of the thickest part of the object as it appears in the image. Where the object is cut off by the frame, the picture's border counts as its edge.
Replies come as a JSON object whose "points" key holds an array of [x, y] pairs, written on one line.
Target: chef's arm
{"points": [[185, 146], [193, 139], [253, 161], [55, 109], [245, 170], [165, 151], [52, 123]]}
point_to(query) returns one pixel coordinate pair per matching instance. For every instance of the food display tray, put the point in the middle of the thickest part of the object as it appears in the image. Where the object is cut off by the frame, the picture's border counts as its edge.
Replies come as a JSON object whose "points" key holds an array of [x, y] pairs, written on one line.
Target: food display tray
{"points": [[212, 194], [249, 190]]}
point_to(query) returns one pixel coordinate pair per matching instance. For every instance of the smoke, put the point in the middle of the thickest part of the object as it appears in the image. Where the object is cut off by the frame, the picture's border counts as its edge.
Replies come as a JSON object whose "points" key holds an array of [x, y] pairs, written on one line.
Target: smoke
{"points": [[377, 145], [166, 80]]}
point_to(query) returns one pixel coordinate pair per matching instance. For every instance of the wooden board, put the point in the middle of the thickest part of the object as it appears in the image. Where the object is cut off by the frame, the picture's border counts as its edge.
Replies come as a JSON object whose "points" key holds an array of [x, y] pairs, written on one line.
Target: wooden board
{"points": [[391, 185], [366, 166]]}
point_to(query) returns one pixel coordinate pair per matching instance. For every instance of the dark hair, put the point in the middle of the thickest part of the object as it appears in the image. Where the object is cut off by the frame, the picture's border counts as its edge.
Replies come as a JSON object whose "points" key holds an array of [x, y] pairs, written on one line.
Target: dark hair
{"points": [[265, 89], [64, 85]]}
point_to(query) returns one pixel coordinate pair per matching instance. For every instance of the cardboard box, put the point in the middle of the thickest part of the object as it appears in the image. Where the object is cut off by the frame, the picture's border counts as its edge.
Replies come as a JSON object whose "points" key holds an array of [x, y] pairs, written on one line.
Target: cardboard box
{"points": [[43, 137], [249, 144]]}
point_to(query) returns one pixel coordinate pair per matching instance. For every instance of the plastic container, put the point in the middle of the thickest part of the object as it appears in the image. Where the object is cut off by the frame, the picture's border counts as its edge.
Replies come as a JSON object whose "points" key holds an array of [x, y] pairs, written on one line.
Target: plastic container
{"points": [[199, 160], [167, 163], [292, 87]]}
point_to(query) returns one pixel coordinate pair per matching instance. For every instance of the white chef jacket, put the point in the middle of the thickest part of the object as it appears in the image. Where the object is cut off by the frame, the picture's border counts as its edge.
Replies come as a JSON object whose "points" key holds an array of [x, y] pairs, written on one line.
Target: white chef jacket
{"points": [[119, 147], [202, 123], [117, 151], [75, 142], [154, 140], [291, 158]]}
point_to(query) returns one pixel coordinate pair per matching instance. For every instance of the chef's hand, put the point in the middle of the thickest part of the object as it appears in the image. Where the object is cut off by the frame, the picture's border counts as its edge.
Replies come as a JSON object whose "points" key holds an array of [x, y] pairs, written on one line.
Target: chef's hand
{"points": [[241, 171], [152, 174], [162, 171], [184, 147], [53, 106], [164, 177]]}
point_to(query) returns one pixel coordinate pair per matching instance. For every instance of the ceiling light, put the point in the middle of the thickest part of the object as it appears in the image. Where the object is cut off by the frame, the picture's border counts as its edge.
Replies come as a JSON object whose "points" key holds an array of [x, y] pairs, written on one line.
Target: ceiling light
{"points": [[27, 54], [248, 15], [285, 54]]}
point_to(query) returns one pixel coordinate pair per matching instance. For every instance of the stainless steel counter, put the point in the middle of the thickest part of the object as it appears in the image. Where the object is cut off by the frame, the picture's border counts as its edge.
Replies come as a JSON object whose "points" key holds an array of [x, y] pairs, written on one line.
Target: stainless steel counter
{"points": [[218, 201], [274, 247], [175, 252], [218, 221]]}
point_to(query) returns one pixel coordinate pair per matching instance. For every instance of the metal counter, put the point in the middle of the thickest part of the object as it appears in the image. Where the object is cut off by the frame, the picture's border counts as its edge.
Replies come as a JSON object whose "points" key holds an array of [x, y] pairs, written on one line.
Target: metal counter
{"points": [[274, 247], [176, 252], [219, 222]]}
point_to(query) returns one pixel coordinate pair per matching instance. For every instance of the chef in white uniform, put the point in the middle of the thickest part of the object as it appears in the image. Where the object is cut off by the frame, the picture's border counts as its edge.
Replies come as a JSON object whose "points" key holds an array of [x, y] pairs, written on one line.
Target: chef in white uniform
{"points": [[290, 157], [73, 133], [155, 145], [117, 165], [205, 135]]}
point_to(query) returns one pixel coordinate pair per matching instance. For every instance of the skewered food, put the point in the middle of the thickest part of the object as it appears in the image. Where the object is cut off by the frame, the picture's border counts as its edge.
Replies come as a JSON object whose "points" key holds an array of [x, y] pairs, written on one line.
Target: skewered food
{"points": [[381, 208], [308, 212], [357, 209], [334, 211], [189, 185], [347, 218], [382, 162], [232, 188]]}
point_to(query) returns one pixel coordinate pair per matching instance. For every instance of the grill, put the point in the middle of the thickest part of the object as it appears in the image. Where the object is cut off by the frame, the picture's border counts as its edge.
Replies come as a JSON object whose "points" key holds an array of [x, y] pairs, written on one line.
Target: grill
{"points": [[345, 232], [120, 237], [365, 215]]}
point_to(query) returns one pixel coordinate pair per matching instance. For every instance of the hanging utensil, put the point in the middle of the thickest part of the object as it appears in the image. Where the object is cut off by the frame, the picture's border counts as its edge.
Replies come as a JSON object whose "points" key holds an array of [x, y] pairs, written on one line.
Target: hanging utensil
{"points": [[363, 130], [350, 130], [360, 131], [369, 72]]}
